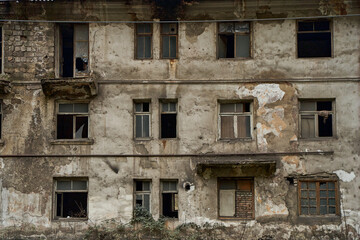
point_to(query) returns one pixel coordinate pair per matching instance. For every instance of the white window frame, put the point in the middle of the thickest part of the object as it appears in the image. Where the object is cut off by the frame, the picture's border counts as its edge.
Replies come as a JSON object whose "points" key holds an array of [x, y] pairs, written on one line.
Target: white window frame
{"points": [[143, 192], [142, 113]]}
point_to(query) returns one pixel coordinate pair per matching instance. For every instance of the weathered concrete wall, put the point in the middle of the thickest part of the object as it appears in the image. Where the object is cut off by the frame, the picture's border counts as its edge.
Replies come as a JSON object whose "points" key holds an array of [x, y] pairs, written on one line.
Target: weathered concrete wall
{"points": [[26, 184]]}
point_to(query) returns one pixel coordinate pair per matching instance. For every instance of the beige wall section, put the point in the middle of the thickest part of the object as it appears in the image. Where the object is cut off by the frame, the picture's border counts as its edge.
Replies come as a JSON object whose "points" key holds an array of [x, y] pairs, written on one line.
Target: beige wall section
{"points": [[273, 54]]}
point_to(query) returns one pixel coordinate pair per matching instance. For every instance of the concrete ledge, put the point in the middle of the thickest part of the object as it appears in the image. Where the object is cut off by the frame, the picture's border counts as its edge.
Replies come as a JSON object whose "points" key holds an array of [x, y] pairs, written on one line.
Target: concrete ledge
{"points": [[70, 88], [72, 141]]}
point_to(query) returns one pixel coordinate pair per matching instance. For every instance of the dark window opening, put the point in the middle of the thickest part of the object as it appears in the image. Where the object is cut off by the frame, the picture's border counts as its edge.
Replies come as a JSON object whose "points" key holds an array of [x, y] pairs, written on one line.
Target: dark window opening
{"points": [[67, 53], [314, 39], [169, 205], [65, 127], [168, 126], [234, 40], [72, 121], [226, 46]]}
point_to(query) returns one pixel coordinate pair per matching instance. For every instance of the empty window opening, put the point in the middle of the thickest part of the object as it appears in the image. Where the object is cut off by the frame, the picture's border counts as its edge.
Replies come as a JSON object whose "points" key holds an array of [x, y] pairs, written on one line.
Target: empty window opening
{"points": [[170, 199], [169, 40], [235, 120], [73, 49], [318, 198], [72, 121], [234, 40], [236, 198], [71, 198], [142, 120], [143, 40], [168, 119], [316, 119], [142, 194], [314, 39]]}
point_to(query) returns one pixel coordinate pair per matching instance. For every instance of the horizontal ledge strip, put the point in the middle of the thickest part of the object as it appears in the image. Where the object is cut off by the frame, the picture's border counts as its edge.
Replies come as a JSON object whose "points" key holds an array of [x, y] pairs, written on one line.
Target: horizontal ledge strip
{"points": [[205, 82], [167, 155]]}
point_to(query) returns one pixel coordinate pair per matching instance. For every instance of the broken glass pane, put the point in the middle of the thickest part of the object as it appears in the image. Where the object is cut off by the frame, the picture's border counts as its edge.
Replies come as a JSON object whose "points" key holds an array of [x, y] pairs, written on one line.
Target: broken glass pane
{"points": [[242, 27], [307, 106], [81, 130], [63, 185], [65, 127], [307, 126], [79, 185], [226, 27], [146, 106], [324, 106]]}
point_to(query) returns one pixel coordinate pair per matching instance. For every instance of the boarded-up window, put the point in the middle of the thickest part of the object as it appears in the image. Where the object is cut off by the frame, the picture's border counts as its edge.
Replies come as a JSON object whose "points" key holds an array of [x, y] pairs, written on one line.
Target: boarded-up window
{"points": [[314, 38], [72, 120], [318, 198], [73, 50], [169, 40], [236, 198], [142, 119], [142, 194], [143, 40], [169, 195], [316, 118], [235, 120], [168, 119], [70, 198], [234, 40]]}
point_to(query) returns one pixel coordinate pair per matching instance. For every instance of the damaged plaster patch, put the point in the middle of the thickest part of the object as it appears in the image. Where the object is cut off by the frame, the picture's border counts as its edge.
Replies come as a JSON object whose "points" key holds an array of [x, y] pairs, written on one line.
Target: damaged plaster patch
{"points": [[273, 117], [345, 176], [293, 164], [2, 165]]}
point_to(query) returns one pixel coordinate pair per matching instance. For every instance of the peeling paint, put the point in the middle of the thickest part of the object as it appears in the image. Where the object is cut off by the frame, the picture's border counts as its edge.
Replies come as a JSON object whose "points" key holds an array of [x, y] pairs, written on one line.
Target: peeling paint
{"points": [[345, 176]]}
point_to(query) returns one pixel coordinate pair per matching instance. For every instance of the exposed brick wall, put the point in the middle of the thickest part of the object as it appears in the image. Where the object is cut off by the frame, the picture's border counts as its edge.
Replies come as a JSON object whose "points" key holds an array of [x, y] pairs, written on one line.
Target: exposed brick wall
{"points": [[29, 50], [244, 205]]}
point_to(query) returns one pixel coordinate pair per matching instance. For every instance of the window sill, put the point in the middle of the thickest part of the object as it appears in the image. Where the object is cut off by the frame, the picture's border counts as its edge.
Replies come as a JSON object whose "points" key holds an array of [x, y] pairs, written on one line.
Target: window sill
{"points": [[70, 219], [319, 139], [315, 58], [142, 139], [236, 140], [72, 142], [235, 59], [318, 219], [235, 219]]}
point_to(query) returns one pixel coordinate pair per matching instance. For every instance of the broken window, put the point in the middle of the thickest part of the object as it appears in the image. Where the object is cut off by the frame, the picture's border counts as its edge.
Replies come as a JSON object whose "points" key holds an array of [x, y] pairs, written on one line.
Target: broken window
{"points": [[142, 120], [235, 120], [234, 40], [142, 194], [318, 197], [72, 120], [169, 194], [143, 40], [236, 198], [169, 40], [314, 38], [316, 119], [168, 119], [73, 50], [71, 195]]}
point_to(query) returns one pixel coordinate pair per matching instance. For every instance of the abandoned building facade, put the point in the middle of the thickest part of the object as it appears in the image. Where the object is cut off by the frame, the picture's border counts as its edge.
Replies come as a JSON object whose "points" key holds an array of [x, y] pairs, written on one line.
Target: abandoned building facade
{"points": [[230, 112]]}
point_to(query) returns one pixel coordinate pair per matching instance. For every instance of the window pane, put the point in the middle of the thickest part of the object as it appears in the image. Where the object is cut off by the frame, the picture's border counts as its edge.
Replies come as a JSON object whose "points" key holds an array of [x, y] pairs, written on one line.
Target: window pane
{"points": [[305, 26], [304, 202], [166, 186], [172, 107], [81, 127], [222, 46], [323, 194], [165, 47], [66, 108], [308, 106], [243, 124], [243, 46], [322, 25], [325, 125], [332, 210], [323, 209], [226, 27], [168, 125], [138, 126], [227, 203], [147, 202], [303, 185], [227, 184], [146, 124], [331, 194], [322, 185], [239, 107], [138, 185], [242, 27], [146, 186], [79, 185], [304, 193], [165, 107], [82, 50], [312, 210], [81, 108], [312, 194], [63, 185], [65, 127], [327, 106], [81, 32], [228, 107], [227, 127], [146, 107], [331, 185], [140, 47], [312, 202], [307, 126], [138, 107], [147, 47], [332, 201], [165, 28], [312, 185], [305, 210], [323, 201], [173, 186], [173, 46]]}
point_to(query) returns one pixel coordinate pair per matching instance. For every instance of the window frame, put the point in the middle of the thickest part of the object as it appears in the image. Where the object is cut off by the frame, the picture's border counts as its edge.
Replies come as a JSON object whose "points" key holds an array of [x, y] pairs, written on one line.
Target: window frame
{"points": [[141, 101], [235, 114], [144, 34], [316, 114], [234, 35], [55, 191], [1, 121], [317, 190], [142, 193], [2, 52], [161, 101], [331, 30], [170, 35], [252, 179], [173, 200], [74, 120], [58, 52]]}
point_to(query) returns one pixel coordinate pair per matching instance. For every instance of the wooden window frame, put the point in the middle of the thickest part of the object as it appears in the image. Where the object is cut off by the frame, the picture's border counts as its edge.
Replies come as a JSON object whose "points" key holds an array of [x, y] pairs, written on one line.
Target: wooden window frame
{"points": [[169, 191], [235, 34], [142, 193], [317, 31], [143, 34], [253, 198], [75, 115], [316, 114], [170, 35], [317, 190], [142, 114], [235, 115], [55, 192]]}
